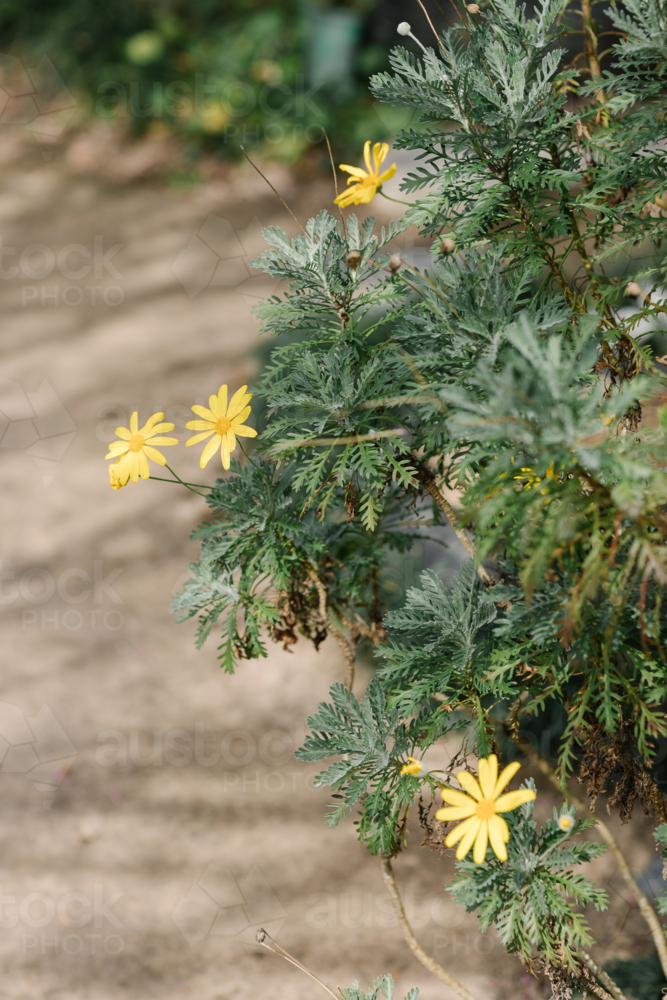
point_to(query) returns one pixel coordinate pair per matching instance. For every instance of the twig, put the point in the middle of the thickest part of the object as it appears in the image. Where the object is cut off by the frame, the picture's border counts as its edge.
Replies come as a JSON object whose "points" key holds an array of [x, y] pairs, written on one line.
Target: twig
{"points": [[261, 937], [644, 905], [347, 647], [427, 480], [410, 938], [335, 180], [602, 976], [274, 191]]}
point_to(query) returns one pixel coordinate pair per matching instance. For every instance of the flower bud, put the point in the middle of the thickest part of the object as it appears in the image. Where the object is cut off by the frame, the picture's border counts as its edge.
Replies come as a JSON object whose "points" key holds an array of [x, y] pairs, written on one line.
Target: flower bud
{"points": [[404, 28], [472, 8], [566, 822], [353, 260], [447, 245], [632, 289], [394, 263]]}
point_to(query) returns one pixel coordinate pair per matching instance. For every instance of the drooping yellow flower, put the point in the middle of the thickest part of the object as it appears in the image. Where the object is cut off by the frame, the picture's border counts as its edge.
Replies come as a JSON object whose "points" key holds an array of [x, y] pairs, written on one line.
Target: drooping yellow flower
{"points": [[365, 185], [479, 809], [416, 768], [223, 421], [135, 447]]}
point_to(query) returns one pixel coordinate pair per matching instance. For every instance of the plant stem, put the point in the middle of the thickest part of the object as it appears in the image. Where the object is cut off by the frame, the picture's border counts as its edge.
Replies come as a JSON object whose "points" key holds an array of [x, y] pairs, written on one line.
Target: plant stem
{"points": [[409, 936], [602, 976], [399, 201], [427, 480], [647, 911], [261, 937], [347, 647], [188, 486]]}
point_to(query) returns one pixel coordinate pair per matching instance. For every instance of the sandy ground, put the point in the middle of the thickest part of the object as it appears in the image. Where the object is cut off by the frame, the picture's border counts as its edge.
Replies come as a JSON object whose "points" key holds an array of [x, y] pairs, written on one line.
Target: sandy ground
{"points": [[153, 813]]}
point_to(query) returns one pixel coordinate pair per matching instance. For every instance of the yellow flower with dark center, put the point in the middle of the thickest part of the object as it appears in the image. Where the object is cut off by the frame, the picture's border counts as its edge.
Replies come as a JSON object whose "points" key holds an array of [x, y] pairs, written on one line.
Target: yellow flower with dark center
{"points": [[224, 422], [479, 809], [415, 768], [364, 184], [135, 447]]}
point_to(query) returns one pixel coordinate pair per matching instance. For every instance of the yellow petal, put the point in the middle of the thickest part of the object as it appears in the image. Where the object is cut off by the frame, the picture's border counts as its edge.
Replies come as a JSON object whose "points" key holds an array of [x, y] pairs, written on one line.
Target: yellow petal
{"points": [[466, 841], [209, 451], [450, 813], [506, 775], [514, 799], [134, 423], [367, 194], [222, 399], [124, 433], [367, 156], [240, 417], [159, 429], [200, 425], [155, 419], [238, 401], [155, 455], [144, 470], [201, 411], [134, 466], [488, 775], [467, 781], [161, 441], [454, 798], [244, 432], [117, 448], [198, 437], [460, 831], [214, 406], [356, 172], [479, 854], [497, 829], [349, 197], [380, 150], [225, 454], [387, 173]]}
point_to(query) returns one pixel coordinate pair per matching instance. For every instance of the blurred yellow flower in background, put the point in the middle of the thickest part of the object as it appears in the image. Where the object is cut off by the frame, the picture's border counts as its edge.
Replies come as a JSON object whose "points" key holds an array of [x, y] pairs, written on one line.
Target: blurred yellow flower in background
{"points": [[223, 421], [416, 768], [135, 447], [364, 185], [480, 808]]}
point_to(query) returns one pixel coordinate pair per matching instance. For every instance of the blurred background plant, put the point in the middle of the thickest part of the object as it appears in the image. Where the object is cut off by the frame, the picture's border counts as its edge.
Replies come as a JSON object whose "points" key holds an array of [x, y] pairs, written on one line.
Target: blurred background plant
{"points": [[266, 76]]}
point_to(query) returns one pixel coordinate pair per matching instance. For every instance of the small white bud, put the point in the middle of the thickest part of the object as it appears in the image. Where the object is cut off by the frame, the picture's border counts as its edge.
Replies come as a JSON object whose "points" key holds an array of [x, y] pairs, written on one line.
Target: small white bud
{"points": [[404, 28], [566, 822], [472, 8], [632, 289]]}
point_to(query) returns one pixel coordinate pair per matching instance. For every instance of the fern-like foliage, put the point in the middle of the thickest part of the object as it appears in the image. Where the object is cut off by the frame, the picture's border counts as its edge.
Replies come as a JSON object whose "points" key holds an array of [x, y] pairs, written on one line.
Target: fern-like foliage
{"points": [[533, 899]]}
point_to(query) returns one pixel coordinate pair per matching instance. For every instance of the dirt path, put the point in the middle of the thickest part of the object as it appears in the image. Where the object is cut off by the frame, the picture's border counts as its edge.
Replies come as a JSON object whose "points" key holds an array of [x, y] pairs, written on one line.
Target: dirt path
{"points": [[153, 812]]}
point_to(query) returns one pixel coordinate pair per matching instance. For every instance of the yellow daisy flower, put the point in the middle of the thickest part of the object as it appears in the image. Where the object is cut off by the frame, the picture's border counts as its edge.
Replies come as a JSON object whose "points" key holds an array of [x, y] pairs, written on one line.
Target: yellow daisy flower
{"points": [[480, 808], [415, 768], [136, 447], [365, 185], [225, 422]]}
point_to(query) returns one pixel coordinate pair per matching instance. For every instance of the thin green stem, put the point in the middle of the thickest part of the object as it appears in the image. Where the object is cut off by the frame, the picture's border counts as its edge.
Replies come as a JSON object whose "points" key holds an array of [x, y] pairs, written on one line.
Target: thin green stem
{"points": [[177, 479], [399, 201]]}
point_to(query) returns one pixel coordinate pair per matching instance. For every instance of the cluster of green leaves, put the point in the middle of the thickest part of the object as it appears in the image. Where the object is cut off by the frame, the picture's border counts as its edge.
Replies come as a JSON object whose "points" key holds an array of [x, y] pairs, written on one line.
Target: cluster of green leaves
{"points": [[383, 986], [513, 370], [359, 731], [263, 557], [531, 898]]}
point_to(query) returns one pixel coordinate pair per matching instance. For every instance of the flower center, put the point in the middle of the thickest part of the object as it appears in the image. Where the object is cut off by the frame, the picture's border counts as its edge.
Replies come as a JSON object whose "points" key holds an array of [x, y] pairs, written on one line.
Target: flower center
{"points": [[486, 809], [136, 442], [222, 425]]}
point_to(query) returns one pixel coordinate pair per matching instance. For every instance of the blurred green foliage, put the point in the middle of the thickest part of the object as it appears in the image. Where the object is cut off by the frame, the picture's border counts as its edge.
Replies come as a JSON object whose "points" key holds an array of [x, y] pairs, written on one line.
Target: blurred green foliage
{"points": [[220, 75]]}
